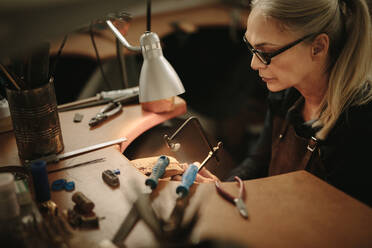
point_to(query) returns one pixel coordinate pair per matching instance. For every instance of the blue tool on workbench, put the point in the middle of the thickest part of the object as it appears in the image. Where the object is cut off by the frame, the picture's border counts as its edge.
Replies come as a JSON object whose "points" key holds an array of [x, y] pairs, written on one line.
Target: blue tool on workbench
{"points": [[189, 176], [188, 179], [133, 215], [182, 190], [157, 171]]}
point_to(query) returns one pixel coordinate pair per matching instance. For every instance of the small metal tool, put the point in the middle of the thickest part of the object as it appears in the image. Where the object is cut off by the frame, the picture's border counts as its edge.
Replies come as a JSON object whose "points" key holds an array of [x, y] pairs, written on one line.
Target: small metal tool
{"points": [[109, 110], [110, 178], [77, 165], [122, 96], [210, 155], [54, 158], [91, 148], [78, 117], [237, 201], [196, 124]]}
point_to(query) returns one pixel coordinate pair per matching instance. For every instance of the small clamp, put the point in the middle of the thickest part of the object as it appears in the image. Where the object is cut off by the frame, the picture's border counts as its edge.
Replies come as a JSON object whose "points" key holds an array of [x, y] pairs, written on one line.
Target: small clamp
{"points": [[111, 109], [110, 178], [211, 153]]}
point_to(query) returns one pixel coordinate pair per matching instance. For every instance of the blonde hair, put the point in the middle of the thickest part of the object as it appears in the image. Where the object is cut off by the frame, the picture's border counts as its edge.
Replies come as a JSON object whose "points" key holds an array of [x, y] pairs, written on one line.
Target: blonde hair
{"points": [[348, 26]]}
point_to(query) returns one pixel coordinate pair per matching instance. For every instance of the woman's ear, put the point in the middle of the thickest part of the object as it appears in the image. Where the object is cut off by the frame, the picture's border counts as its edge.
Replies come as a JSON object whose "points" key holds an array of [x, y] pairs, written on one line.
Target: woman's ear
{"points": [[320, 46]]}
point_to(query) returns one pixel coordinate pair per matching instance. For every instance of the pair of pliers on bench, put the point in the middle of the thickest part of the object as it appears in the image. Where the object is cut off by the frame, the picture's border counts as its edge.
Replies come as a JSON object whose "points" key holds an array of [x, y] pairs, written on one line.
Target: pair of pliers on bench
{"points": [[237, 201], [109, 110]]}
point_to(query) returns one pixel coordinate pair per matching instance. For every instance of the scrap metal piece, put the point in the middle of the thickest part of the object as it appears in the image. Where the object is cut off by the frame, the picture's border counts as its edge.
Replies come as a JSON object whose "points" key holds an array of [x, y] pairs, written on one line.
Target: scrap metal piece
{"points": [[89, 221], [210, 155], [78, 117], [49, 207], [83, 203], [110, 178]]}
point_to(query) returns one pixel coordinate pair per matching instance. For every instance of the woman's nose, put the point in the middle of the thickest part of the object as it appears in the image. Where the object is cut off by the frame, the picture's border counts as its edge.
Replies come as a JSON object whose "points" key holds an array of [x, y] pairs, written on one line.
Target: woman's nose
{"points": [[256, 63]]}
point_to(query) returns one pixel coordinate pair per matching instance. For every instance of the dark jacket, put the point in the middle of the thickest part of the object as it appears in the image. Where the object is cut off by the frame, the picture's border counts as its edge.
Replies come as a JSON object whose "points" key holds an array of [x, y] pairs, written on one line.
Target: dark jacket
{"points": [[345, 153]]}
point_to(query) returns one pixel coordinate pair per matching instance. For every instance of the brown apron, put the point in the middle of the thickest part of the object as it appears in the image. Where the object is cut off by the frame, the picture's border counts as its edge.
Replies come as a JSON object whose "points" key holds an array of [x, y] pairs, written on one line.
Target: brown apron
{"points": [[291, 152]]}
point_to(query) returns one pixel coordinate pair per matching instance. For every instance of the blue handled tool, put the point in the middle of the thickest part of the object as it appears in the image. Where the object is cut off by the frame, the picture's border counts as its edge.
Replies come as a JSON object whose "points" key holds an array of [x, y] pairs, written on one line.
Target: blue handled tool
{"points": [[182, 190], [188, 179], [157, 171], [189, 176], [182, 200], [133, 216]]}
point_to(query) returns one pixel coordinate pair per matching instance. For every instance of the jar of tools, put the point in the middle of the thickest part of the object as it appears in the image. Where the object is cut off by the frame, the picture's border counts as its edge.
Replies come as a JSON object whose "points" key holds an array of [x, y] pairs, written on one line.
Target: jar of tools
{"points": [[35, 121]]}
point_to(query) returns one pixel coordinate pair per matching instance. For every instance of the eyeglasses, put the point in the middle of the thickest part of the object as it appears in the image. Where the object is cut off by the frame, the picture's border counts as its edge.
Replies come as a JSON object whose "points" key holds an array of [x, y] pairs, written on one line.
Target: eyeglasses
{"points": [[266, 57]]}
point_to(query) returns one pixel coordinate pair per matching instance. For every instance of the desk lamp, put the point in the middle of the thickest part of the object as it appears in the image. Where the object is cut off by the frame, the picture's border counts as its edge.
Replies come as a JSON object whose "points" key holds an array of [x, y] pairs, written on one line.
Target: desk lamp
{"points": [[158, 81]]}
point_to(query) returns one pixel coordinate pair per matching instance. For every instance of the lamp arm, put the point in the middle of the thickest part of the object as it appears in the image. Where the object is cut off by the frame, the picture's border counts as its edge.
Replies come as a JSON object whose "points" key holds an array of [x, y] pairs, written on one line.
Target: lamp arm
{"points": [[121, 37]]}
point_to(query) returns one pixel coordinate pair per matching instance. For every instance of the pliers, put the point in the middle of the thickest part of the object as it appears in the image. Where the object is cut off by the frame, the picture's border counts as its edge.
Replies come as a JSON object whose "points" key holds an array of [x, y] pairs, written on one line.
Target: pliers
{"points": [[237, 201], [111, 109]]}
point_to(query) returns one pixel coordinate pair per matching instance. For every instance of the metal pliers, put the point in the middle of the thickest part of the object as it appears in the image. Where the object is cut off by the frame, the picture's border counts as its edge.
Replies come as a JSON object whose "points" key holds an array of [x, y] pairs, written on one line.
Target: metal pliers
{"points": [[111, 109], [237, 201]]}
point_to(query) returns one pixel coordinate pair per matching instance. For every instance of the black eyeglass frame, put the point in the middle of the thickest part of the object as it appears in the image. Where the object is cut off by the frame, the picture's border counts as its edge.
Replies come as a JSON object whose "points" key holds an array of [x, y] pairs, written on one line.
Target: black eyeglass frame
{"points": [[265, 58]]}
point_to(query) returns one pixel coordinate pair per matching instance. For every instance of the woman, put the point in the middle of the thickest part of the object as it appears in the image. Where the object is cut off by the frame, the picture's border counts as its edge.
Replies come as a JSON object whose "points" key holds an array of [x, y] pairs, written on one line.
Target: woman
{"points": [[315, 57]]}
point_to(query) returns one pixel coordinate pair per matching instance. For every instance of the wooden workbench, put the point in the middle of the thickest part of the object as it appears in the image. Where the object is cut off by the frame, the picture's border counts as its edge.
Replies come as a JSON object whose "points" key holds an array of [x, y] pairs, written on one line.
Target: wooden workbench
{"points": [[290, 210], [111, 204]]}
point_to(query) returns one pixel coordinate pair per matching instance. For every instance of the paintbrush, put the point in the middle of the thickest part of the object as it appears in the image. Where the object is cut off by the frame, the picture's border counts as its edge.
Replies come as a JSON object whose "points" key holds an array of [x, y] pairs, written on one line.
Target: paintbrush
{"points": [[11, 79]]}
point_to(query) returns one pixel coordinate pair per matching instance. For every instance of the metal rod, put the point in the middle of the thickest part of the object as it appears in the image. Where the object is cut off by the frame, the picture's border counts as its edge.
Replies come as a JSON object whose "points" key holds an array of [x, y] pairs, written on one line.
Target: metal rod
{"points": [[210, 155], [199, 127], [90, 148], [121, 37], [122, 66], [77, 165], [148, 17]]}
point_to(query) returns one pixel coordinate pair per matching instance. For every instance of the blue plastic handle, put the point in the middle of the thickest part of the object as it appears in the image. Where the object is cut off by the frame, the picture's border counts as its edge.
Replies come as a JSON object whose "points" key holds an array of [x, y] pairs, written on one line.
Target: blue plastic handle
{"points": [[157, 171], [188, 179]]}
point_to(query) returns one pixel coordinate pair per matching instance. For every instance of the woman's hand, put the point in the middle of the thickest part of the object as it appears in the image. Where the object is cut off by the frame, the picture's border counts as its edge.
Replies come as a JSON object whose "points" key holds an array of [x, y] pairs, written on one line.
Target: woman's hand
{"points": [[203, 176]]}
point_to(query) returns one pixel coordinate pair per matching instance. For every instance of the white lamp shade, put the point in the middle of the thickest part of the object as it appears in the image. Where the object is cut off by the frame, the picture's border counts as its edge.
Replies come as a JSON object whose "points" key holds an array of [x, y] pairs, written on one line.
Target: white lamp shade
{"points": [[158, 79]]}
